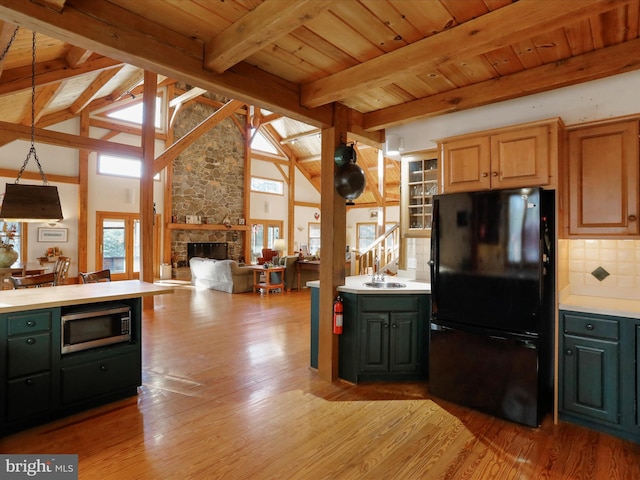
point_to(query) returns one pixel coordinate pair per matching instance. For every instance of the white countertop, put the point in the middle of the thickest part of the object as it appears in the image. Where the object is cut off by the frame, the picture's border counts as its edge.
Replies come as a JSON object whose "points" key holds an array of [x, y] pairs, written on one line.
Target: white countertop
{"points": [[63, 295], [356, 285], [618, 307]]}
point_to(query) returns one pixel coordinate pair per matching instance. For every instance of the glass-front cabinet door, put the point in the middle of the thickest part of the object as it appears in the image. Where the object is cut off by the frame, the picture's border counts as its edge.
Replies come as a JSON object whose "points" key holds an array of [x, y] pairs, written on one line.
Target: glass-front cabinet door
{"points": [[420, 179]]}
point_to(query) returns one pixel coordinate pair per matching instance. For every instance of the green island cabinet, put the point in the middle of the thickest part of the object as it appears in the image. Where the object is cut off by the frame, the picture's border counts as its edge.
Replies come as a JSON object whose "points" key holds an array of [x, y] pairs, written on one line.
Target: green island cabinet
{"points": [[384, 337], [599, 373], [40, 384]]}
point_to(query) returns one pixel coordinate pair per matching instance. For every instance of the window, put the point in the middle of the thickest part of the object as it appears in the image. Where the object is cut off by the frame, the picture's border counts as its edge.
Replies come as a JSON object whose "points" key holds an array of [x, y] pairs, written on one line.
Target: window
{"points": [[16, 240], [121, 166], [259, 142], [314, 238], [133, 113], [267, 185], [366, 235], [263, 235]]}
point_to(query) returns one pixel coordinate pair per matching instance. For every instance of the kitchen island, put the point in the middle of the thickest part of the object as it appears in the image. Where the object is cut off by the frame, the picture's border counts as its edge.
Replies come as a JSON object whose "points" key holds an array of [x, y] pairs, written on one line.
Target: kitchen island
{"points": [[41, 382], [385, 330]]}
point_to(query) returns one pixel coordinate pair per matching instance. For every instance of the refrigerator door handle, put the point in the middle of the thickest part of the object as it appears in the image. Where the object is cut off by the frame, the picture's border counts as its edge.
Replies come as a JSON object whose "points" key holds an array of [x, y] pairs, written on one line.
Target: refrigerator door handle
{"points": [[433, 263]]}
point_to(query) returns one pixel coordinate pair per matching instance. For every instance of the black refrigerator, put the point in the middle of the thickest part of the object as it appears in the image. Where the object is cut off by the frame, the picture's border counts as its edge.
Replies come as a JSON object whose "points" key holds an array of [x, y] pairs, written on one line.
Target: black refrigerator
{"points": [[492, 286]]}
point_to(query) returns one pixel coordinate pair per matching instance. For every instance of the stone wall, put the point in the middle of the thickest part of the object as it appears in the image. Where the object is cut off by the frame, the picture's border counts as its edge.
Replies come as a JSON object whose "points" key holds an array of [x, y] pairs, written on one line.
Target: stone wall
{"points": [[208, 180]]}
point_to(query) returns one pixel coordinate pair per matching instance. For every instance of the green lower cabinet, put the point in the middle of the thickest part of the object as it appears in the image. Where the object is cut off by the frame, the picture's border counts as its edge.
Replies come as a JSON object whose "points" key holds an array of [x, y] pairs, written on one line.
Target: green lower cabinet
{"points": [[384, 337], [591, 373], [41, 384], [109, 375], [599, 374]]}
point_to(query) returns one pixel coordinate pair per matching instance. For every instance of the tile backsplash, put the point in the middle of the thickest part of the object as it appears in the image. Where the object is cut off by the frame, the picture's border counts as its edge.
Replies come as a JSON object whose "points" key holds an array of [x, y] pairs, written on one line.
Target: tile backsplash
{"points": [[576, 262], [619, 258]]}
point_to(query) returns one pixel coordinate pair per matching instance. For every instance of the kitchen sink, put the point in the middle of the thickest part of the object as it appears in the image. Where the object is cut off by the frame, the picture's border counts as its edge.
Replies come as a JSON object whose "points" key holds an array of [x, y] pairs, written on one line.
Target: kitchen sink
{"points": [[385, 284]]}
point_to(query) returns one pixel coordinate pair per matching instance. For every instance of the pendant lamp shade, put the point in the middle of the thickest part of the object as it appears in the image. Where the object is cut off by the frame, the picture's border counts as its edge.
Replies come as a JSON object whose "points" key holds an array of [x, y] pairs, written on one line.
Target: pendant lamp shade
{"points": [[31, 203]]}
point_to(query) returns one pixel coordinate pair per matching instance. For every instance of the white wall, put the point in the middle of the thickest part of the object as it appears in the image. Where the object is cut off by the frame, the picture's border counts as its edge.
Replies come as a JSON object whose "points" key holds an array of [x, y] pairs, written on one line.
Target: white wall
{"points": [[113, 194]]}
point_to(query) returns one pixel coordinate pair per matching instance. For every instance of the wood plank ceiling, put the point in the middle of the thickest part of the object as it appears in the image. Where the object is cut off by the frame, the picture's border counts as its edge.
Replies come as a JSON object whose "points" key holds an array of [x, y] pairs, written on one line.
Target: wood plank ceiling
{"points": [[389, 61]]}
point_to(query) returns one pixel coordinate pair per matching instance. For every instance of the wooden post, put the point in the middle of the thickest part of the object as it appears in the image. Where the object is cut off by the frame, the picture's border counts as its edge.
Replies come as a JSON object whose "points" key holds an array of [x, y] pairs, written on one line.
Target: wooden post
{"points": [[146, 180], [332, 245], [83, 193]]}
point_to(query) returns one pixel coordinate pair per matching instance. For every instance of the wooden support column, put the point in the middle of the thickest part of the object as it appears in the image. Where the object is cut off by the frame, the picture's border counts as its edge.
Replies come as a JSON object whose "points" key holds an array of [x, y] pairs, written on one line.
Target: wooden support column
{"points": [[168, 191], [332, 245], [146, 180], [83, 196]]}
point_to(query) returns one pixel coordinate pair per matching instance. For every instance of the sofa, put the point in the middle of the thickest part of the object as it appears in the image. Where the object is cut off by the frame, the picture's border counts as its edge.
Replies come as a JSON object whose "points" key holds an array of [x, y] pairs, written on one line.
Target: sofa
{"points": [[291, 272], [223, 275]]}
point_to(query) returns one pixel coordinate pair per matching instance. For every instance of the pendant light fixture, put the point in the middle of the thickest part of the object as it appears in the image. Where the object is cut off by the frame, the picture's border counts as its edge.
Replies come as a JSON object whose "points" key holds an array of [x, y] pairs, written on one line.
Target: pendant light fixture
{"points": [[31, 203]]}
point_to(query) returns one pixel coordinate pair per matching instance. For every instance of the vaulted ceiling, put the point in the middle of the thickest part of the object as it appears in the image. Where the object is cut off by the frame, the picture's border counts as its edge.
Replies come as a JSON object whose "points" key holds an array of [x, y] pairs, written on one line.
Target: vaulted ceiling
{"points": [[388, 61]]}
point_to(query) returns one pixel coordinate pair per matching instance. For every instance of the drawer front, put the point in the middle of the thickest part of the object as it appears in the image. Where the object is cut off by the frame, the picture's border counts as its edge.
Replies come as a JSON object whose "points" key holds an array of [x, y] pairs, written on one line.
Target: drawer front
{"points": [[588, 326], [389, 303], [28, 396], [25, 323], [28, 354], [85, 381]]}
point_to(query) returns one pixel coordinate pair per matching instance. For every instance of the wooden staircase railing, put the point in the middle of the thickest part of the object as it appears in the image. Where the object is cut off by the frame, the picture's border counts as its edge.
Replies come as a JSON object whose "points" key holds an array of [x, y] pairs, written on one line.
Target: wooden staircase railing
{"points": [[381, 253]]}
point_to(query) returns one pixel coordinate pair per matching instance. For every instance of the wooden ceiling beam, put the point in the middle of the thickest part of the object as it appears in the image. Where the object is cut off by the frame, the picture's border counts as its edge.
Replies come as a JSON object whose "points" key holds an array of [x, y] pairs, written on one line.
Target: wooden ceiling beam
{"points": [[7, 29], [589, 66], [90, 92], [518, 21], [186, 96], [44, 96], [77, 56], [70, 141], [106, 28], [125, 88], [270, 20], [53, 71]]}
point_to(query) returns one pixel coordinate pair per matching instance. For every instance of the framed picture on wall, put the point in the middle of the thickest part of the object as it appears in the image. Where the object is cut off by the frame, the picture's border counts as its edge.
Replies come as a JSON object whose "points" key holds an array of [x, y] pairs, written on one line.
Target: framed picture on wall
{"points": [[52, 234]]}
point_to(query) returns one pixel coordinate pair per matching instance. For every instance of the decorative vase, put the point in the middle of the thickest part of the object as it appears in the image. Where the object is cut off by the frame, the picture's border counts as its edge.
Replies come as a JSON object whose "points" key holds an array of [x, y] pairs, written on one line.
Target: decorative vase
{"points": [[8, 257]]}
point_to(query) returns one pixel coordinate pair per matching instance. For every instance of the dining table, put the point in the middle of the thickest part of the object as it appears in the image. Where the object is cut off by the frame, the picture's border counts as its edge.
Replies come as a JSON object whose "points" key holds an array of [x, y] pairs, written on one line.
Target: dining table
{"points": [[17, 271]]}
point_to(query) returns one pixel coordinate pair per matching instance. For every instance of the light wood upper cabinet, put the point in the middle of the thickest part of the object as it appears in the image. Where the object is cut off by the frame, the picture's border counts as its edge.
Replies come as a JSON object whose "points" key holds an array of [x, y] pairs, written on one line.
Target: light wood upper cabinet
{"points": [[522, 156], [603, 180], [420, 178]]}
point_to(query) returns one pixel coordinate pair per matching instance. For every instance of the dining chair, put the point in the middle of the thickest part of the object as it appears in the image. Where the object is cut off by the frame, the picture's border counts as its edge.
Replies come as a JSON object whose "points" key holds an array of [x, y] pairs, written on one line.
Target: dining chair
{"points": [[31, 281], [96, 277], [61, 270]]}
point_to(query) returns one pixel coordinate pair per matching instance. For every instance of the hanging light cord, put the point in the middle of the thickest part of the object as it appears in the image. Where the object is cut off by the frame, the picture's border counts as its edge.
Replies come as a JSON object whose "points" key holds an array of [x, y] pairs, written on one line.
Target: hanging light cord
{"points": [[32, 150]]}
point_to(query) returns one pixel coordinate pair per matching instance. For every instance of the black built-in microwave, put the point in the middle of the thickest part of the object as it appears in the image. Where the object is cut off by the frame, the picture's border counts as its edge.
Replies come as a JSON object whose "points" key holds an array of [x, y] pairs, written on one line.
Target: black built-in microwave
{"points": [[93, 326]]}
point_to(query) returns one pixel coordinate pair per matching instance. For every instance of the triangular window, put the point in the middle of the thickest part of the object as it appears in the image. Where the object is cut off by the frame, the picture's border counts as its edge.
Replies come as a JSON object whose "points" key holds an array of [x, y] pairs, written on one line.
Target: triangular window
{"points": [[261, 143]]}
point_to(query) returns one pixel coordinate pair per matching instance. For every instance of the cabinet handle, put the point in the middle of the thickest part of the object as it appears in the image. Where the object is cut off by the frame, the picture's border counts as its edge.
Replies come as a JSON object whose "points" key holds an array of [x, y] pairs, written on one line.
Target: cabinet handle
{"points": [[385, 325], [28, 382], [103, 368], [632, 218], [485, 174], [568, 352], [495, 174], [31, 323], [589, 326], [393, 325], [31, 341]]}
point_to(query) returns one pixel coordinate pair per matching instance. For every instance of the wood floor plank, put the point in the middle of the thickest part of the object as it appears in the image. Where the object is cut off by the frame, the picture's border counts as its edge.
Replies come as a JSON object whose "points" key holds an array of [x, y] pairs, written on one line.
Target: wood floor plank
{"points": [[228, 394]]}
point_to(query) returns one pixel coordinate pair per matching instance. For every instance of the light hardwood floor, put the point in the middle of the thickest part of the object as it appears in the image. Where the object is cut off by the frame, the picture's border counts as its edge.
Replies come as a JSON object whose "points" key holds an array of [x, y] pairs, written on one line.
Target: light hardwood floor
{"points": [[228, 394]]}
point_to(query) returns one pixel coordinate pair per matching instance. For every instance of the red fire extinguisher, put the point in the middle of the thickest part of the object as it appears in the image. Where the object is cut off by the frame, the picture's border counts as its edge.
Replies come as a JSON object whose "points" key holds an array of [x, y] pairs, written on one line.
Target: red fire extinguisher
{"points": [[337, 315]]}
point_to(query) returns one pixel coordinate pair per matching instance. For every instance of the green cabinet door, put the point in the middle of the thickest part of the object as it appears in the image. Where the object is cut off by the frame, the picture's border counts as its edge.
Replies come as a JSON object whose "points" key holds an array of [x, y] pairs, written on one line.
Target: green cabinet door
{"points": [[637, 364], [404, 342], [374, 335], [591, 378]]}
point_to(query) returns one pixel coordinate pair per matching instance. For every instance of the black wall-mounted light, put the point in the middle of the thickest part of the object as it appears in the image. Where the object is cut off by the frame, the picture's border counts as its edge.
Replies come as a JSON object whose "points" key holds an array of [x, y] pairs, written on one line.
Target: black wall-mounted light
{"points": [[31, 203], [349, 180]]}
